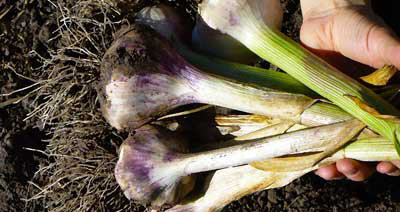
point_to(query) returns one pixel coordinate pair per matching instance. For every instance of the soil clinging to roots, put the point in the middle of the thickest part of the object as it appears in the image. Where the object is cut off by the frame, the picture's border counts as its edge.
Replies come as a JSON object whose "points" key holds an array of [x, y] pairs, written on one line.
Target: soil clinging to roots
{"points": [[82, 149]]}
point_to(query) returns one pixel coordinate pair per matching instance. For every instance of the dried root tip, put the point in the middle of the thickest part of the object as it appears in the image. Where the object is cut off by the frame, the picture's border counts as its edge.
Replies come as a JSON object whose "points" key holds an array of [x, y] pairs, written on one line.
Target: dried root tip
{"points": [[147, 170]]}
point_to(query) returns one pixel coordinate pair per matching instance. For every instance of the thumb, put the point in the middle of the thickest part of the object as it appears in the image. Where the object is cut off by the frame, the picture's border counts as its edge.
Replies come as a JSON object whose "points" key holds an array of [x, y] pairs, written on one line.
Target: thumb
{"points": [[357, 34], [384, 47]]}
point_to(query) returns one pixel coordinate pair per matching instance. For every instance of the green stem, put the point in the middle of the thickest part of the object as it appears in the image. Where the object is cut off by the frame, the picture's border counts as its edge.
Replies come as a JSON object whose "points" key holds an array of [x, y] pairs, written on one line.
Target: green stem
{"points": [[245, 73], [371, 149], [315, 73]]}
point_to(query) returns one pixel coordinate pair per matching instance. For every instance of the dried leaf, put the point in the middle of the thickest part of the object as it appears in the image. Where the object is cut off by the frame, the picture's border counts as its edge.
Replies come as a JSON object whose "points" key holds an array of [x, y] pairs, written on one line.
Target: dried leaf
{"points": [[373, 111], [186, 112], [367, 133], [381, 76], [363, 105], [275, 129], [230, 184], [229, 120], [343, 139], [389, 118], [288, 163], [239, 125]]}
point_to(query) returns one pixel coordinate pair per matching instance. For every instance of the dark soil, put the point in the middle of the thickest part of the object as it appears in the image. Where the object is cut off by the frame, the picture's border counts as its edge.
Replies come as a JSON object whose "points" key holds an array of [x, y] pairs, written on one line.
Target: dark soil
{"points": [[20, 28], [25, 28]]}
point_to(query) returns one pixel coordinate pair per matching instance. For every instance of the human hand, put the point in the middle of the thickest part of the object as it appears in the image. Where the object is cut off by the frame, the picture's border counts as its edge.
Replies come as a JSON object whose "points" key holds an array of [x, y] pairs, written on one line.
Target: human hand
{"points": [[350, 28]]}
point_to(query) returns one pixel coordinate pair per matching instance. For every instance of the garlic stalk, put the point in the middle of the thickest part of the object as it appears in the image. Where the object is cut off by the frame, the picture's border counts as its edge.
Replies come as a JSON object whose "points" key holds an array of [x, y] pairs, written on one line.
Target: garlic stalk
{"points": [[143, 77], [150, 168], [168, 22], [230, 184], [208, 41], [243, 20], [212, 42]]}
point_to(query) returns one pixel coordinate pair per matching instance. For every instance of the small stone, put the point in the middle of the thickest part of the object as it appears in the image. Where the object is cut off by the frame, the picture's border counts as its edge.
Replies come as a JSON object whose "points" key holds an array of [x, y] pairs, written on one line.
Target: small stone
{"points": [[272, 197], [301, 202], [289, 195], [261, 201]]}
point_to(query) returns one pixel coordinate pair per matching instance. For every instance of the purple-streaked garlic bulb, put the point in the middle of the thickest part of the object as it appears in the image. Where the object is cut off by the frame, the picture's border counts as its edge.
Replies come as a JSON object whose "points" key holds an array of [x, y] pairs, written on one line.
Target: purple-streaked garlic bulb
{"points": [[139, 170], [143, 77], [153, 169]]}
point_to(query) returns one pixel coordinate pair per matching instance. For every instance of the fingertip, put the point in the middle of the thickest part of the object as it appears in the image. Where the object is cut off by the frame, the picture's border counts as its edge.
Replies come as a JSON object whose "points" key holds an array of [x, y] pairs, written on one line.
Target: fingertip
{"points": [[329, 172], [354, 170], [385, 48], [388, 168], [385, 167], [347, 166], [393, 55], [396, 163]]}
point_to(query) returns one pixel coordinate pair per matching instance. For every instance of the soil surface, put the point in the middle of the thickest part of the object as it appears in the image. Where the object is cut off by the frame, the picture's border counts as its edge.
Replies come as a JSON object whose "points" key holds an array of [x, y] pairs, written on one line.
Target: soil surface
{"points": [[25, 29]]}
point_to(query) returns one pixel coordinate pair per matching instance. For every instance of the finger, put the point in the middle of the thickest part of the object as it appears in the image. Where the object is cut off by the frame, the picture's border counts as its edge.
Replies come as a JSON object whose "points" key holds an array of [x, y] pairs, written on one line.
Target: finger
{"points": [[329, 172], [396, 163], [360, 36], [354, 170], [386, 46], [388, 168]]}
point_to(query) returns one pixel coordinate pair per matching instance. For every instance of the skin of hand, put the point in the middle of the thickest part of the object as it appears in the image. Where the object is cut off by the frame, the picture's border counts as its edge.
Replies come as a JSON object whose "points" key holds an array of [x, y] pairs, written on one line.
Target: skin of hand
{"points": [[349, 28]]}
